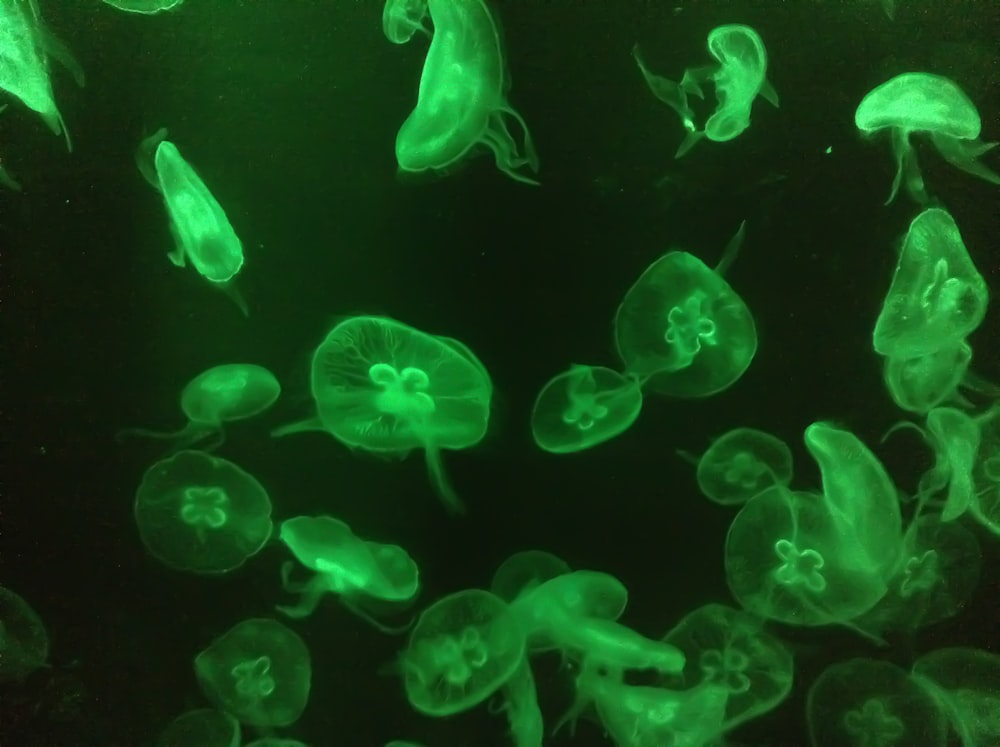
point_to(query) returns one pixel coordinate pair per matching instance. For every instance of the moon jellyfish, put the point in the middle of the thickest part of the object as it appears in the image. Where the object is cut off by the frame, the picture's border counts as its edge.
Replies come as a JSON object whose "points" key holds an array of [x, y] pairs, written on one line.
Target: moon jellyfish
{"points": [[219, 395], [583, 407], [259, 671], [146, 7], [742, 463], [201, 513], [462, 99], [463, 648], [525, 570], [25, 46], [966, 684], [200, 227], [868, 703], [921, 383], [937, 298], [922, 102], [354, 569], [384, 387], [203, 727], [681, 330], [24, 644], [401, 19]]}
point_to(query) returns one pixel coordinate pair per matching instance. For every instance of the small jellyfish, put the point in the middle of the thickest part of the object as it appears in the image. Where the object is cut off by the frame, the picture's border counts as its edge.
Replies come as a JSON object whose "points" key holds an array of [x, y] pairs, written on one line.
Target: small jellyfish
{"points": [[401, 19], [145, 7], [259, 671], [203, 727], [24, 643], [201, 513], [219, 395], [523, 571], [742, 463], [583, 407], [922, 102], [921, 383]]}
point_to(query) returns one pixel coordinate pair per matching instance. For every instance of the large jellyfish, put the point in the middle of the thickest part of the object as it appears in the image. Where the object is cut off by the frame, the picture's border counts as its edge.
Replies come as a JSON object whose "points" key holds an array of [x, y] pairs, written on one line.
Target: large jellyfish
{"points": [[742, 463]]}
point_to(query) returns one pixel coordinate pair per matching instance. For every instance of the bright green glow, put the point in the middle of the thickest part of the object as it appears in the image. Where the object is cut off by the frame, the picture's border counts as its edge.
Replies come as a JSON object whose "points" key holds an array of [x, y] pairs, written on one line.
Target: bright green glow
{"points": [[25, 45], [937, 297], [957, 438], [462, 649], [583, 407], [146, 7], [742, 463], [24, 644], [966, 684], [201, 513], [385, 387], [203, 727], [401, 19], [346, 565], [259, 671], [527, 728], [922, 383], [986, 476], [462, 100], [525, 570], [920, 573], [867, 703], [922, 102], [682, 330]]}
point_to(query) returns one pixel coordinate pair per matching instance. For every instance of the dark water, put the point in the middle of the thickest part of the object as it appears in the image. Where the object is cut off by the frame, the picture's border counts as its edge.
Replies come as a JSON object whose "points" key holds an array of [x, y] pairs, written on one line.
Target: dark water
{"points": [[289, 110]]}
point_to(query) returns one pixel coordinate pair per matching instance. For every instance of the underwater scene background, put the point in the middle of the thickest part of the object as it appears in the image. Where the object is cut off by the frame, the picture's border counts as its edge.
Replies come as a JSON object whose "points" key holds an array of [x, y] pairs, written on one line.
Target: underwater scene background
{"points": [[289, 111]]}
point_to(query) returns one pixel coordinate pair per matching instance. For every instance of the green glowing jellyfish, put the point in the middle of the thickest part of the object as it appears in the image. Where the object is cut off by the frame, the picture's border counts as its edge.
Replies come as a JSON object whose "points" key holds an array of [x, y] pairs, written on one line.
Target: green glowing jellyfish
{"points": [[201, 513], [146, 7], [583, 407], [275, 742], [681, 330], [956, 437], [922, 383], [219, 395], [986, 477], [204, 727], [25, 46], [384, 387], [520, 704], [462, 99], [742, 463], [966, 684], [937, 297], [867, 703], [202, 231], [352, 568], [259, 671], [729, 649], [24, 644], [401, 19], [463, 648], [525, 570], [922, 102]]}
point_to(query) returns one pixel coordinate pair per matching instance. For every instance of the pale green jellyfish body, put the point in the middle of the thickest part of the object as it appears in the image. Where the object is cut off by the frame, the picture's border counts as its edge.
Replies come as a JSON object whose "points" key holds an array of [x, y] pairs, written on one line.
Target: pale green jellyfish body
{"points": [[986, 477], [259, 671], [463, 648], [201, 513], [145, 7], [203, 727], [922, 383], [681, 330], [966, 684], [523, 571], [24, 643], [923, 102], [937, 297], [867, 703], [25, 46], [219, 395], [202, 231], [401, 19], [583, 407], [354, 569], [387, 388], [742, 463], [462, 99]]}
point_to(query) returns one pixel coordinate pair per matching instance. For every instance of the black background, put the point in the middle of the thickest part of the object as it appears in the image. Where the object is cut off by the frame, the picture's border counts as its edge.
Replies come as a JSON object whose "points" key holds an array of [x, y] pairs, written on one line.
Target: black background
{"points": [[289, 111]]}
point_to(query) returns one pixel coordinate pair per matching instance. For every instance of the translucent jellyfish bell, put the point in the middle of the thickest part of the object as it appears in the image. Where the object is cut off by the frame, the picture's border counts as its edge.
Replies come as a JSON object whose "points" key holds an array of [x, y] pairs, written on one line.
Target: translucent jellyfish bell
{"points": [[923, 102], [742, 463], [219, 395], [523, 571], [201, 513], [583, 407], [259, 671], [401, 19], [965, 682], [921, 383], [203, 727], [24, 643], [145, 7]]}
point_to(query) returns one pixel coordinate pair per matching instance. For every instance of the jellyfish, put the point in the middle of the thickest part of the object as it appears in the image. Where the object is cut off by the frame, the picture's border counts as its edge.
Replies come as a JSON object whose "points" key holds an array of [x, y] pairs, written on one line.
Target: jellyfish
{"points": [[202, 727], [739, 78], [937, 298], [742, 463], [965, 682], [25, 46], [218, 395], [201, 513], [24, 643], [463, 648], [387, 388], [354, 569], [201, 230], [921, 383], [583, 407], [923, 102], [525, 570], [145, 7], [986, 479], [259, 671], [681, 330], [401, 19], [462, 99]]}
